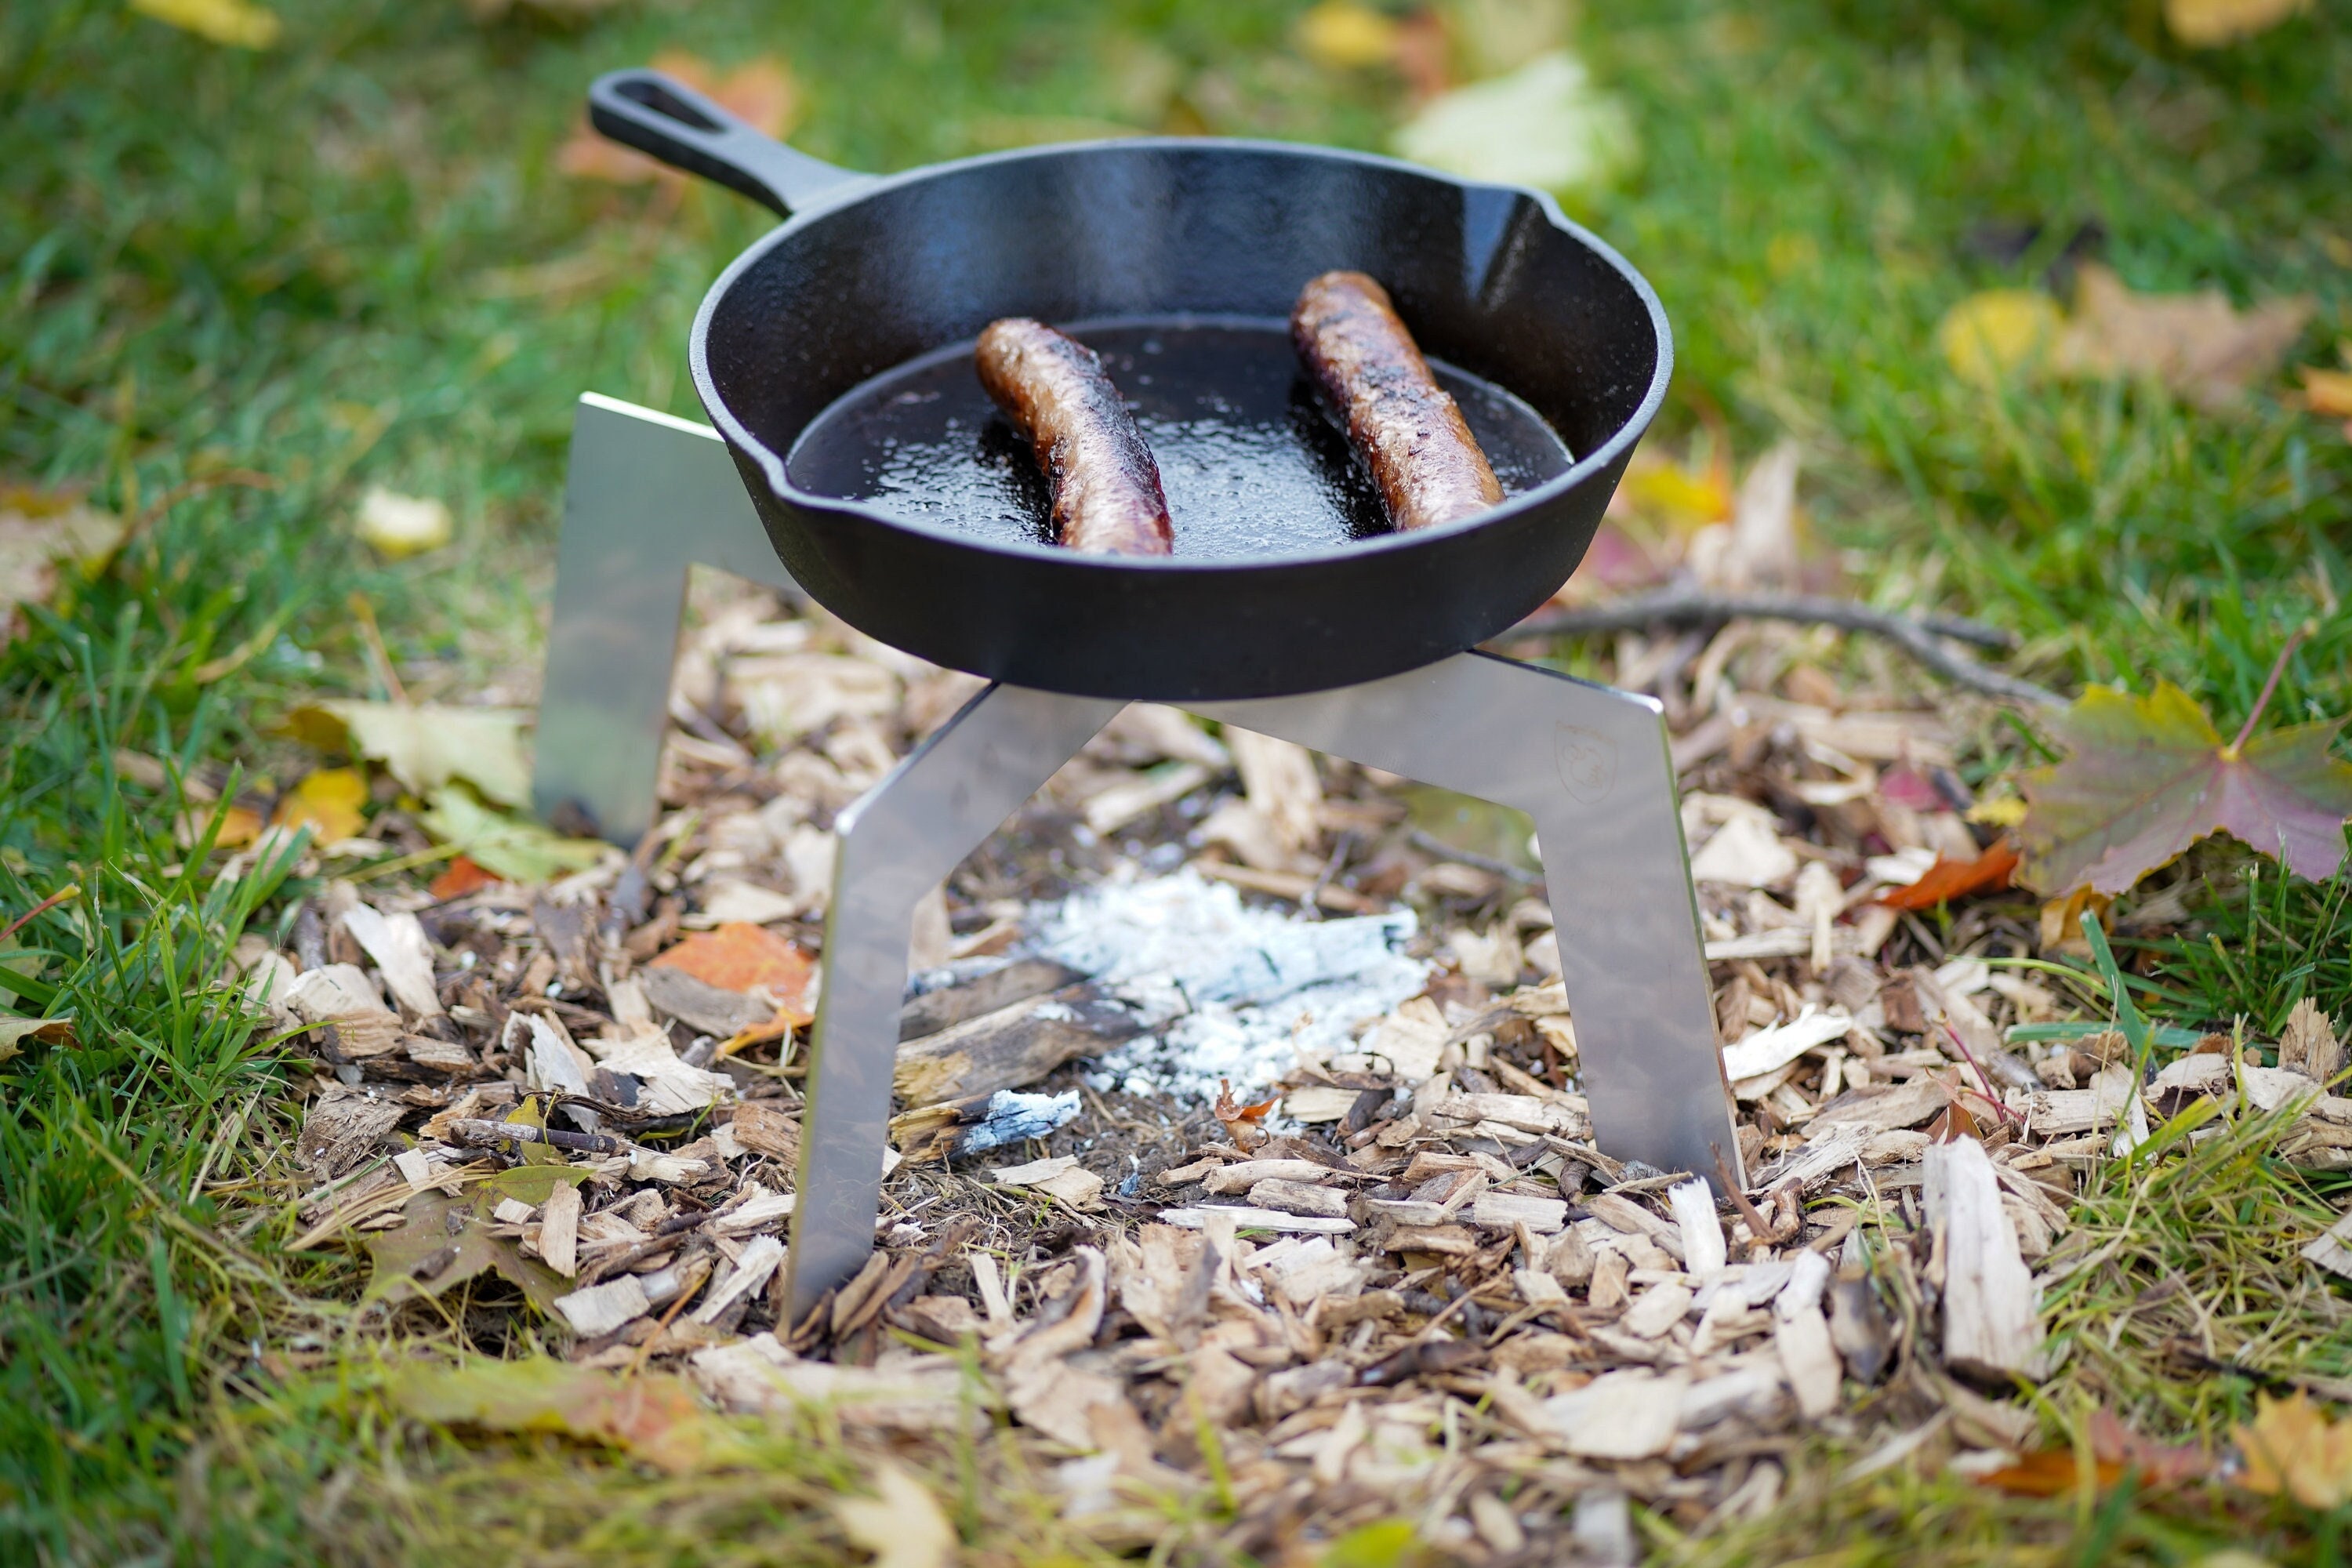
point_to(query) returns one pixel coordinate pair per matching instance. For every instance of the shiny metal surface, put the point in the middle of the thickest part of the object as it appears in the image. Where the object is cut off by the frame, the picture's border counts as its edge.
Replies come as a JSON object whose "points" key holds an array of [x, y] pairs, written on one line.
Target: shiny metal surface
{"points": [[649, 494], [646, 497], [896, 842], [1589, 764]]}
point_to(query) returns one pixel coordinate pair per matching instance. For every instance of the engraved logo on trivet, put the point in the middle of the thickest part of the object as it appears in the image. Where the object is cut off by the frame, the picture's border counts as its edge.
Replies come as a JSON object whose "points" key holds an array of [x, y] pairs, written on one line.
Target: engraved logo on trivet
{"points": [[1587, 761]]}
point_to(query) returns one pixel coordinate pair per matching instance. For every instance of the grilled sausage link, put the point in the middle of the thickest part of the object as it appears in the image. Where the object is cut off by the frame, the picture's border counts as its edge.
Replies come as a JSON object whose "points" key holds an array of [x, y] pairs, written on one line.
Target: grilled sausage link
{"points": [[1404, 427], [1106, 494]]}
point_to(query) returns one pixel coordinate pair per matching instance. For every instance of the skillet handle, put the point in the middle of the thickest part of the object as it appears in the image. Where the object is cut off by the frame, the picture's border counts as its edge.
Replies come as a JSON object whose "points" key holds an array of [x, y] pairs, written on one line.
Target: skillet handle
{"points": [[665, 118]]}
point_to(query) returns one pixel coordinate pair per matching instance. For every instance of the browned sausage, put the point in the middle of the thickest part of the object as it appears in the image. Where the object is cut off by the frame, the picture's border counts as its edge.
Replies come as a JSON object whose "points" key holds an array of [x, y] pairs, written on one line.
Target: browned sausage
{"points": [[1107, 495], [1403, 425]]}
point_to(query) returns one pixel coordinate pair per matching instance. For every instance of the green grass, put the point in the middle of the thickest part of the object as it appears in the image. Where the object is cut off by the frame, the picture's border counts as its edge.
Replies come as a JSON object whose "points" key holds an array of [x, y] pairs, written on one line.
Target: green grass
{"points": [[345, 262]]}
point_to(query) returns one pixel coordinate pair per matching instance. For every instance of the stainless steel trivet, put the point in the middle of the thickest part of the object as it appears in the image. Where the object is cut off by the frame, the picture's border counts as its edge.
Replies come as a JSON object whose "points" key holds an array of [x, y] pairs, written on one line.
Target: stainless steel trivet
{"points": [[649, 495]]}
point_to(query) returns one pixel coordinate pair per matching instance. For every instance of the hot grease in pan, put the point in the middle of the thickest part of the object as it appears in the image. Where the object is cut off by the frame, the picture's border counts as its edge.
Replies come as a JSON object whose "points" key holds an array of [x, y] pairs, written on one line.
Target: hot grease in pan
{"points": [[1251, 464]]}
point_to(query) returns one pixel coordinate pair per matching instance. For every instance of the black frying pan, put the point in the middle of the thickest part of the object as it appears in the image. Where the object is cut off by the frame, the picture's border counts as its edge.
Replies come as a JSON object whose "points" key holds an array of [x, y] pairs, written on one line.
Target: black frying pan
{"points": [[869, 272]]}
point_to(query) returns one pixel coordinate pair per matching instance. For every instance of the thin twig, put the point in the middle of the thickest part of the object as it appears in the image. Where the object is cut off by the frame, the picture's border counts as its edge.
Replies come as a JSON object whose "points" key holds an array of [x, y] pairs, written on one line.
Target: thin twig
{"points": [[379, 655], [1992, 1096], [1758, 1225], [1917, 637], [1476, 862]]}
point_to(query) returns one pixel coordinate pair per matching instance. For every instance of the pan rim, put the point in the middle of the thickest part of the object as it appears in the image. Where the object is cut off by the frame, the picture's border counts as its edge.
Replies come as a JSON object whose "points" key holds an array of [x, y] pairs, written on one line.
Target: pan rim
{"points": [[859, 189]]}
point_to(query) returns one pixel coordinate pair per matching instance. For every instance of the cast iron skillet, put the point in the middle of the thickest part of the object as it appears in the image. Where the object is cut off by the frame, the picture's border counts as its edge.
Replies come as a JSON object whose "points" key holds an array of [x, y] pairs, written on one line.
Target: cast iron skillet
{"points": [[869, 271]]}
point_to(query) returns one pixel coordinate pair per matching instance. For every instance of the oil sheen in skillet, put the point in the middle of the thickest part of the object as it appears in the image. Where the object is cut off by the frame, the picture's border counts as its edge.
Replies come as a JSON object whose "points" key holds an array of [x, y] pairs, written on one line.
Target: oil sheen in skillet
{"points": [[1251, 463]]}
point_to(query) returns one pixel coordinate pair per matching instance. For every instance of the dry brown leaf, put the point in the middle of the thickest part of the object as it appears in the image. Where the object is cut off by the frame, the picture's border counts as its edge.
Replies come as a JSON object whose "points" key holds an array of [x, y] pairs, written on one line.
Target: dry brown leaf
{"points": [[738, 956], [2198, 345], [1947, 880], [761, 93], [654, 1416]]}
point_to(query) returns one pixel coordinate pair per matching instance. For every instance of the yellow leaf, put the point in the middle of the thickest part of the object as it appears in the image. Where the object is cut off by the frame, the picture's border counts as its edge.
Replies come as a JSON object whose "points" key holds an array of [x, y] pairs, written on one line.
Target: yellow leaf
{"points": [[1346, 37], [1663, 489], [328, 801], [43, 533], [1998, 810], [237, 22], [902, 1527], [398, 525], [2293, 1449], [2208, 24], [1990, 337], [2326, 393], [424, 746], [240, 824]]}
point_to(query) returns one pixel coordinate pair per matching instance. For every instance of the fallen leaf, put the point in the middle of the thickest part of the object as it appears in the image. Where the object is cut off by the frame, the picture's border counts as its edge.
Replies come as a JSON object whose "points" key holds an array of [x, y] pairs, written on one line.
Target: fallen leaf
{"points": [[1544, 125], [424, 746], [43, 533], [2050, 1472], [2158, 1463], [2198, 345], [328, 801], [1948, 879], [1682, 498], [240, 824], [741, 957], [15, 1032], [901, 1524], [460, 876], [2149, 775], [762, 93], [2208, 24], [2326, 393], [444, 1241], [2292, 1448], [654, 1414], [237, 22], [1991, 336], [1346, 37], [396, 526], [517, 850]]}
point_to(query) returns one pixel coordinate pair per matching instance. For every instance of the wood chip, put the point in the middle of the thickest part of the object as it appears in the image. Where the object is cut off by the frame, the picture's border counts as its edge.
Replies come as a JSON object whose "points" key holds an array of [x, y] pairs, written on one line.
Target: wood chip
{"points": [[2331, 1249], [1620, 1416], [1242, 1176], [2308, 1044], [751, 1271], [1299, 1198], [1009, 1047], [1801, 1335], [765, 1129], [600, 1309], [559, 1230], [1255, 1219], [1990, 1328], [1705, 1248], [1544, 1216], [1656, 1309]]}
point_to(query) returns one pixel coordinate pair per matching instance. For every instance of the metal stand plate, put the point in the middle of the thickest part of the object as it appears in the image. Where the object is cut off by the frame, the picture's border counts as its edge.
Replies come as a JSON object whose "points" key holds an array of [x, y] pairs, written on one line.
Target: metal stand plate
{"points": [[1589, 764]]}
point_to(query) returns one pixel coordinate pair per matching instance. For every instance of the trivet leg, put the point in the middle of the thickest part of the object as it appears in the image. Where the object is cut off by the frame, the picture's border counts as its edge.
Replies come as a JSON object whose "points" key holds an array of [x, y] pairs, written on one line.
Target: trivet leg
{"points": [[1589, 764], [647, 495], [896, 841]]}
